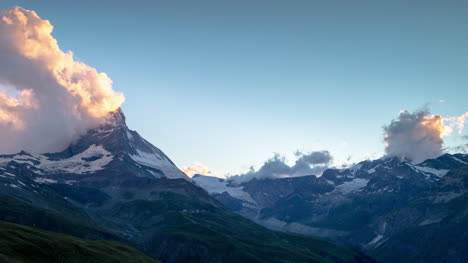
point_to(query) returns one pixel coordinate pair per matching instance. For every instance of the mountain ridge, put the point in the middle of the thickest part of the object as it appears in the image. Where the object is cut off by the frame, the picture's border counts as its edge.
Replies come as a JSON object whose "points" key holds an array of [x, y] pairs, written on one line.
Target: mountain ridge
{"points": [[125, 186], [356, 206]]}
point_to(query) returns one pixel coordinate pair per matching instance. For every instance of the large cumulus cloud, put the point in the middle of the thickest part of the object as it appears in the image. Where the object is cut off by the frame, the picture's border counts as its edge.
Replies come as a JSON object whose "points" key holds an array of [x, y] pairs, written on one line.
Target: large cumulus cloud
{"points": [[313, 163], [419, 135], [47, 98]]}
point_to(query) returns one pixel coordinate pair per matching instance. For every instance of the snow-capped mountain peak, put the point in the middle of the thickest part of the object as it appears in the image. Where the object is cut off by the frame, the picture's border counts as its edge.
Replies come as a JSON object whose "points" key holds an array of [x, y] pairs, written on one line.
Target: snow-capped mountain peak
{"points": [[104, 151]]}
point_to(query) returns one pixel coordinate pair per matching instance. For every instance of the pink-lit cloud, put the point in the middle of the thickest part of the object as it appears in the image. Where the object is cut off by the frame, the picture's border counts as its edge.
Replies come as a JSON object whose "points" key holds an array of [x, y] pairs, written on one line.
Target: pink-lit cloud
{"points": [[47, 97]]}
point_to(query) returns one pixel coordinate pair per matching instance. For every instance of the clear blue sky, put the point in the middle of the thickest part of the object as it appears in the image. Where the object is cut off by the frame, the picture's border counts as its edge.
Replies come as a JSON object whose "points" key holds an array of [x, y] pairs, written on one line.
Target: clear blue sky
{"points": [[228, 83]]}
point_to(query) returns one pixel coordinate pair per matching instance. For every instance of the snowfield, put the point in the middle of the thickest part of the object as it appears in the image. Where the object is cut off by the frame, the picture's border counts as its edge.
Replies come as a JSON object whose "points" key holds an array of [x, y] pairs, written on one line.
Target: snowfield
{"points": [[215, 185], [93, 159], [156, 161], [352, 186]]}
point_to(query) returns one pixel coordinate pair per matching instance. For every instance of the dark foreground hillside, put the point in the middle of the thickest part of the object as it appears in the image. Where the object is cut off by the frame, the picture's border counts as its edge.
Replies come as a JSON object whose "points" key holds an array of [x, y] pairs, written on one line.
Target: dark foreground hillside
{"points": [[29, 245], [182, 231]]}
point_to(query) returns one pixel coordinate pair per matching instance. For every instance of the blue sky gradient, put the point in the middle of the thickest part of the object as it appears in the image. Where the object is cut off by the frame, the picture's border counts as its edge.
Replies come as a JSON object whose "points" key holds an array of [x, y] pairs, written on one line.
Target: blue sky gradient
{"points": [[228, 83]]}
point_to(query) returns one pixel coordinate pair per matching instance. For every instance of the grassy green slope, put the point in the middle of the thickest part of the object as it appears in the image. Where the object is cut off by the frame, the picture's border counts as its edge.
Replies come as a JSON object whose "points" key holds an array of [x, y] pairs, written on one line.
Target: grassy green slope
{"points": [[16, 211], [25, 244], [190, 231], [222, 235], [244, 241]]}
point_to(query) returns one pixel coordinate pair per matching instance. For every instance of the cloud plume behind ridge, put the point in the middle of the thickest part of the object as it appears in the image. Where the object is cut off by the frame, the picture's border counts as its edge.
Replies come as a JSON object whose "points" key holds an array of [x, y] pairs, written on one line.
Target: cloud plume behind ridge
{"points": [[197, 168], [313, 163], [47, 98], [419, 135]]}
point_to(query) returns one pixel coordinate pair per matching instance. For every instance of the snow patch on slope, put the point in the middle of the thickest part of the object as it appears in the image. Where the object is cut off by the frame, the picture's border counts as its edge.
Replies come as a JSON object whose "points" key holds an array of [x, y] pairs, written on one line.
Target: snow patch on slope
{"points": [[430, 221], [352, 186], [374, 241], [448, 196], [214, 185], [438, 173], [91, 160], [18, 158], [458, 160], [42, 180], [154, 160]]}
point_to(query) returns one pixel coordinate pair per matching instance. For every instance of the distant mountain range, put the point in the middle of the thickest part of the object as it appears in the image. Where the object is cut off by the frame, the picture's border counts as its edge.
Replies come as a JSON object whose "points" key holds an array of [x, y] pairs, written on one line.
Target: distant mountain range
{"points": [[392, 209], [111, 184]]}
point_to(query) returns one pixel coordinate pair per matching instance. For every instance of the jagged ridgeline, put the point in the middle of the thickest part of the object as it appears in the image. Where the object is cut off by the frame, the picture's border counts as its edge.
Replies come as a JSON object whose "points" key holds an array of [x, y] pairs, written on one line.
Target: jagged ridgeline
{"points": [[111, 184], [391, 208]]}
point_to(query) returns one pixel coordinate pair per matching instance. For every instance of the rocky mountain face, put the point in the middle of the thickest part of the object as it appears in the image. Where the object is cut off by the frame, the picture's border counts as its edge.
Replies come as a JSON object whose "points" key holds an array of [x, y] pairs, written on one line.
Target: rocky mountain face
{"points": [[374, 205], [430, 228], [113, 184]]}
